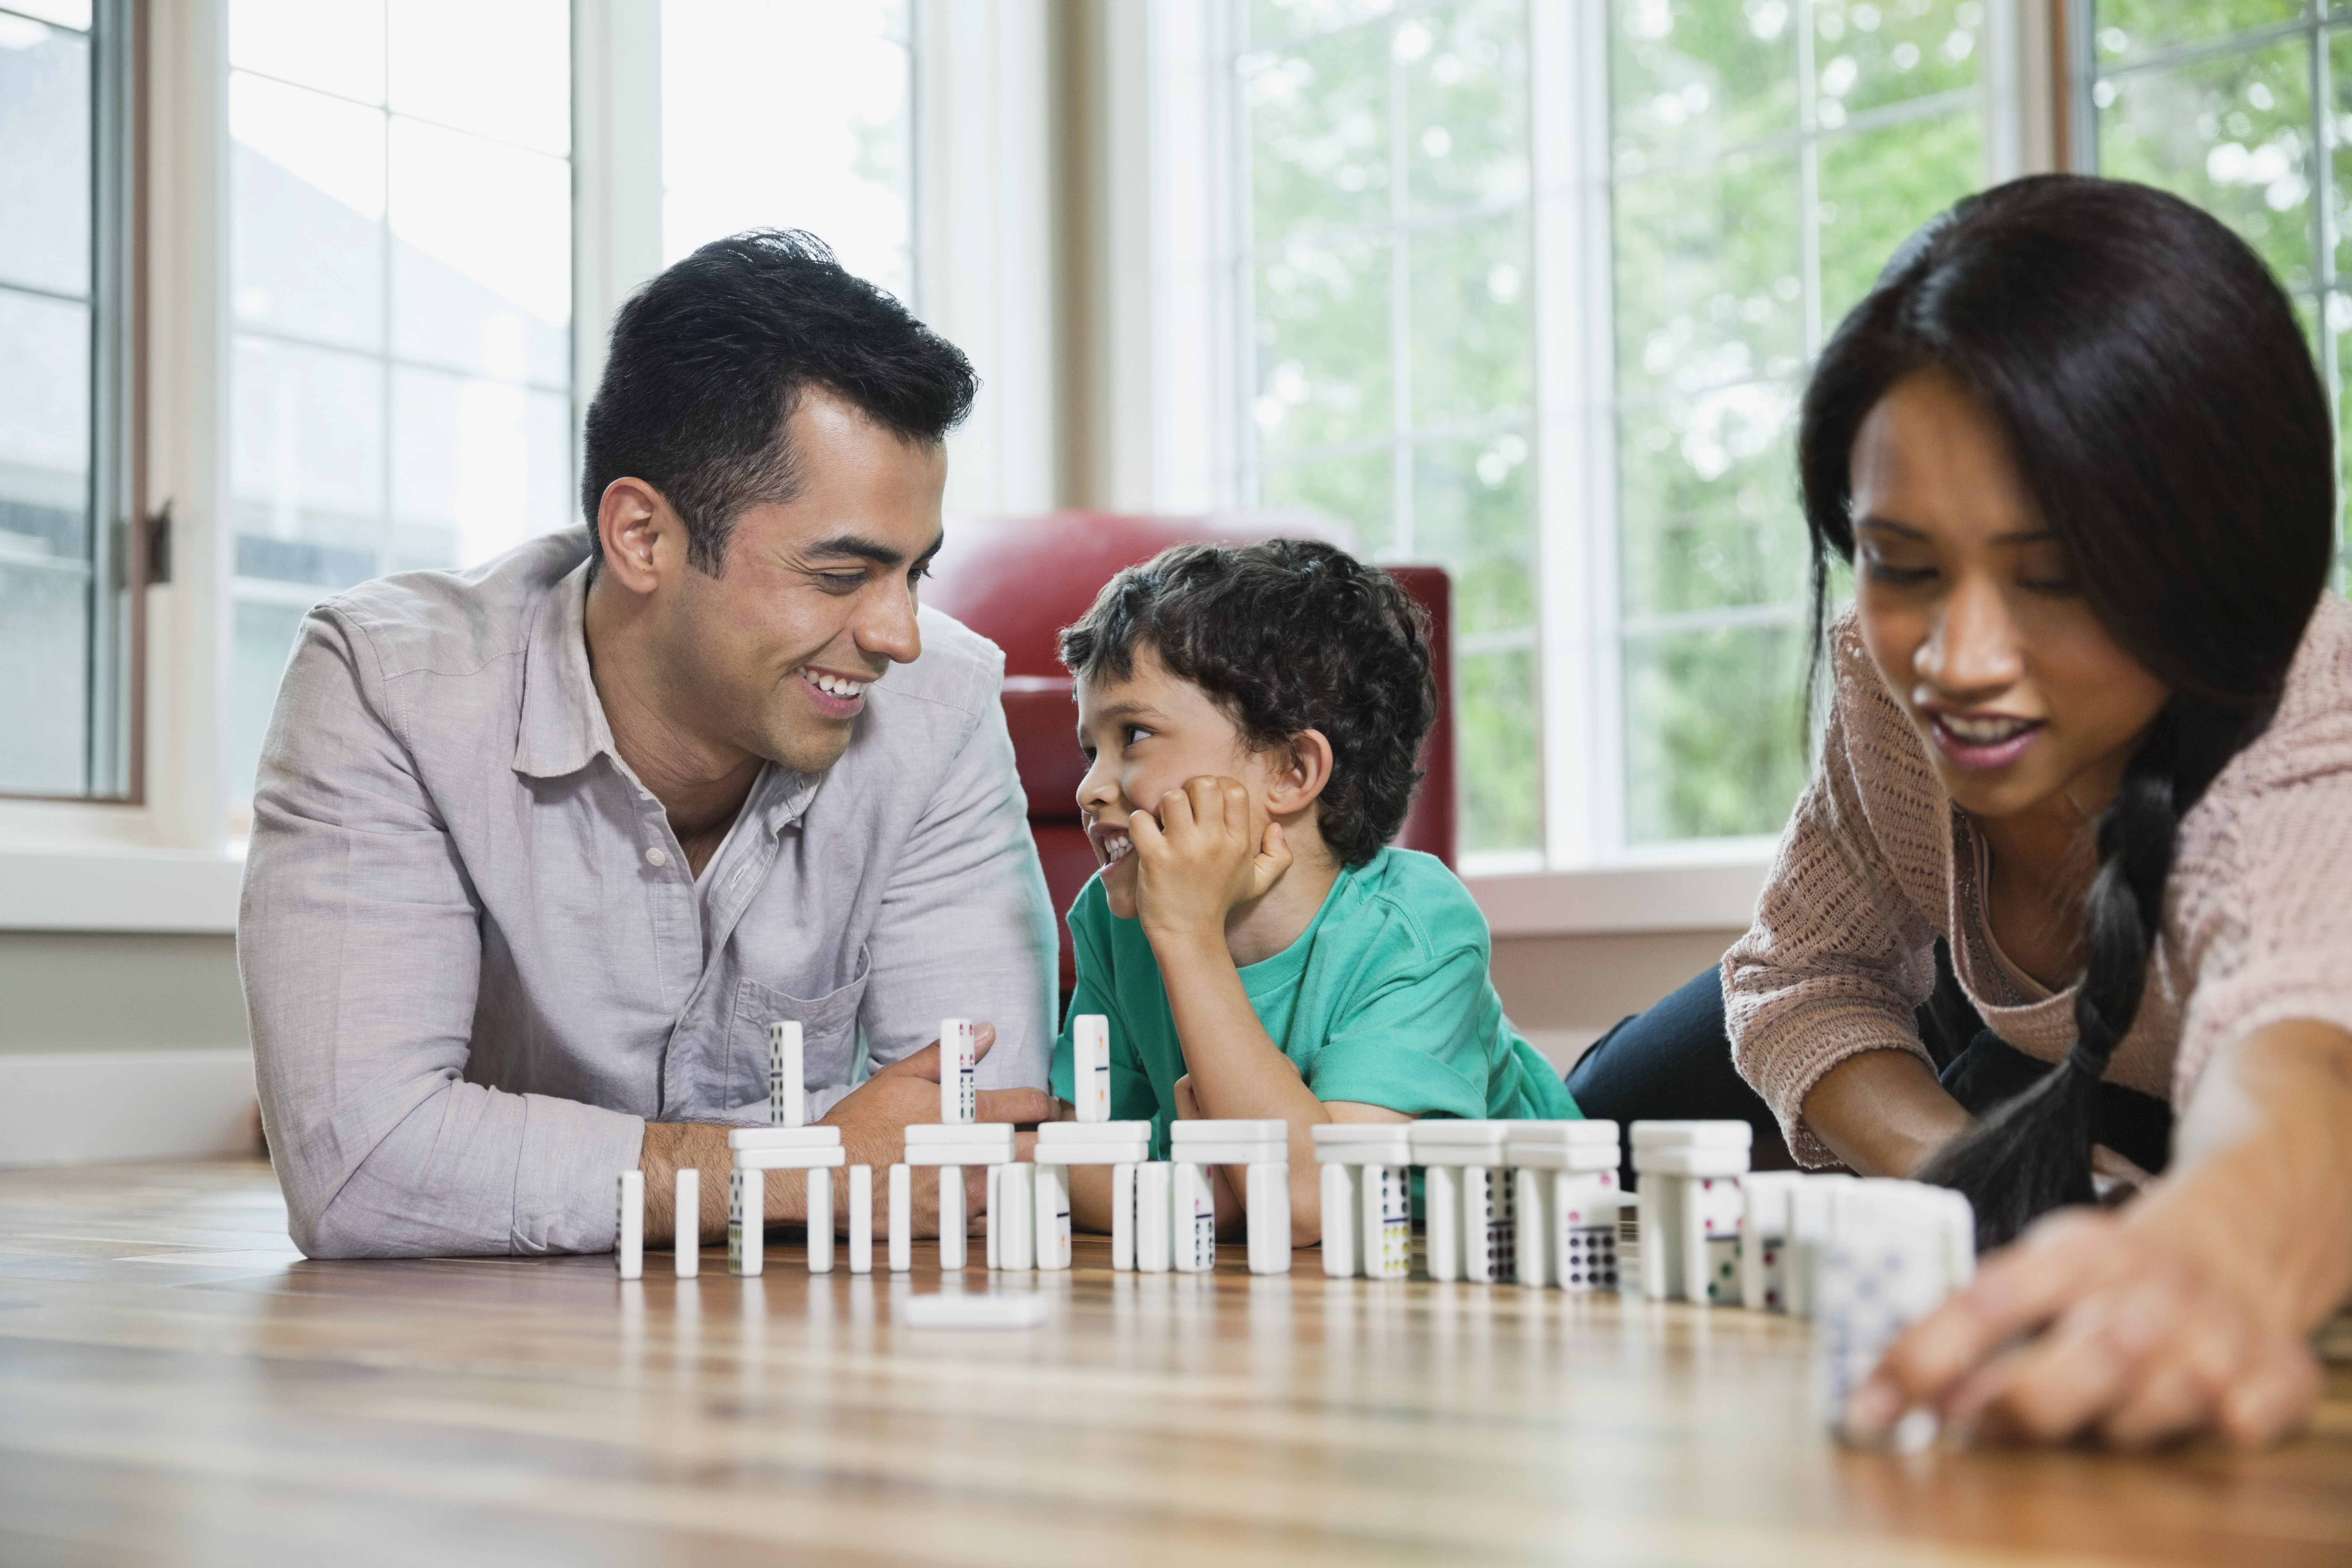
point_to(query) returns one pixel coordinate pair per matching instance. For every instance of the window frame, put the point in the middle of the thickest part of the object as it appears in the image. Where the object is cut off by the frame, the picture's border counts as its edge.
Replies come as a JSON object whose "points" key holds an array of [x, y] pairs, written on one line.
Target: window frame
{"points": [[114, 735], [161, 858]]}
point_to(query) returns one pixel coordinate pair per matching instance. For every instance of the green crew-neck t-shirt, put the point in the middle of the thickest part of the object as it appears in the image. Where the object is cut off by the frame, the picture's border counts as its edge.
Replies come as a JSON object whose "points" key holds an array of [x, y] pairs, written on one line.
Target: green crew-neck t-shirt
{"points": [[1384, 998]]}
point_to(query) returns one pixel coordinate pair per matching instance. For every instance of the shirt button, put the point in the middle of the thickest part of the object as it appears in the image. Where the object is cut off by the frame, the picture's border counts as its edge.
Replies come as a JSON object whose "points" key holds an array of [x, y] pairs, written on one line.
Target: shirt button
{"points": [[656, 856]]}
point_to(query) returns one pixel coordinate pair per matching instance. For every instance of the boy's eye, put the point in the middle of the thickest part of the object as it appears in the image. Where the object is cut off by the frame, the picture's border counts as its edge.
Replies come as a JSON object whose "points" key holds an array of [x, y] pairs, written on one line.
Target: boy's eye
{"points": [[1087, 752], [1130, 734]]}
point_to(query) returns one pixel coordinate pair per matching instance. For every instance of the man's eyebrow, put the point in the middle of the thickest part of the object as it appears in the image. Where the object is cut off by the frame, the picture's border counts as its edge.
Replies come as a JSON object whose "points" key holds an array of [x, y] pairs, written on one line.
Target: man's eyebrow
{"points": [[866, 549]]}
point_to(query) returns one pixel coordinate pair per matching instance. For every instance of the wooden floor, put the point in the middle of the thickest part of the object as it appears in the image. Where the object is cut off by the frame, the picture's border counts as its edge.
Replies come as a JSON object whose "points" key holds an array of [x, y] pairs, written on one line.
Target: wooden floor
{"points": [[177, 1386]]}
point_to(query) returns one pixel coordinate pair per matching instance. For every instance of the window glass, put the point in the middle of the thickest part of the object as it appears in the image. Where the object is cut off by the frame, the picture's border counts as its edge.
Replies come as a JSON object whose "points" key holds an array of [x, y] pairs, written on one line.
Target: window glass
{"points": [[832, 154], [60, 609], [2214, 102], [400, 290], [1388, 288], [1760, 179]]}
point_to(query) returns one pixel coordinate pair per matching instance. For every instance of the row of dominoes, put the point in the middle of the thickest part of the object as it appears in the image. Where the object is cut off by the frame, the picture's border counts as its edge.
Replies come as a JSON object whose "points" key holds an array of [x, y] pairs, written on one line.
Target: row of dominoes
{"points": [[1533, 1201]]}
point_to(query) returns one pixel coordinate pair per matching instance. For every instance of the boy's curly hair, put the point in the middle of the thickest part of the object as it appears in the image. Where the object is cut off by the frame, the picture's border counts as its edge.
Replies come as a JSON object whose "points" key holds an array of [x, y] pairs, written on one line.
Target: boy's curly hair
{"points": [[1288, 635]]}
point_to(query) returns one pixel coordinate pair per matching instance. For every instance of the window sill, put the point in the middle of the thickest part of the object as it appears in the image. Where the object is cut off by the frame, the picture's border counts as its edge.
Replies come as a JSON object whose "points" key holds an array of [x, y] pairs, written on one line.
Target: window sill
{"points": [[175, 891], [1714, 894]]}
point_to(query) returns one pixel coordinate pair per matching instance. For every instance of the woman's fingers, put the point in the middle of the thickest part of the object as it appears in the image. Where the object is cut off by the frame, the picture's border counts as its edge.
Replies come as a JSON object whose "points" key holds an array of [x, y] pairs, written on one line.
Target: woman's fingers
{"points": [[2016, 1292]]}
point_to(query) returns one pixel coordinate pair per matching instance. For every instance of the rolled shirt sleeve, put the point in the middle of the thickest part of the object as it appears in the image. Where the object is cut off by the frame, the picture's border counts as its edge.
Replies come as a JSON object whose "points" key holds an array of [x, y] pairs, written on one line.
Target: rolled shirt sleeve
{"points": [[359, 941]]}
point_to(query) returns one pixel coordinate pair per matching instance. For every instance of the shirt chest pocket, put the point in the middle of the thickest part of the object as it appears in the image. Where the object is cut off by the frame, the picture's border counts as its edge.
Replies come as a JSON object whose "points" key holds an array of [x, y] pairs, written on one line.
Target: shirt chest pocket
{"points": [[828, 1037]]}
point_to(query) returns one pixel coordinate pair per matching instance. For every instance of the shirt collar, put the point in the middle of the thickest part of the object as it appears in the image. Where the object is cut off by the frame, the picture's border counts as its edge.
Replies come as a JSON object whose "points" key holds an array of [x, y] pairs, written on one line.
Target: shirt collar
{"points": [[563, 727]]}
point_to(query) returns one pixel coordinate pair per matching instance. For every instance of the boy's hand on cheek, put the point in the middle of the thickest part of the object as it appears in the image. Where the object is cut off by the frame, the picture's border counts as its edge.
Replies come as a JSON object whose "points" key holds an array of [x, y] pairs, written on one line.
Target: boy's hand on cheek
{"points": [[1202, 858]]}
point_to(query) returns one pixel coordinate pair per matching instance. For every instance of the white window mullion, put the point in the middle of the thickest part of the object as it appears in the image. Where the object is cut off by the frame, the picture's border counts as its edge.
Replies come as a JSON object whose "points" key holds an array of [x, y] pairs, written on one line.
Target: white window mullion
{"points": [[1575, 472]]}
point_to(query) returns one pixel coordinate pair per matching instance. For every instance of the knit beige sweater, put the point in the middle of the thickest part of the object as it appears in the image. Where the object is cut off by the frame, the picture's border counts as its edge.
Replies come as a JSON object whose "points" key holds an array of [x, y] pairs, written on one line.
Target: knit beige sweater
{"points": [[1878, 862]]}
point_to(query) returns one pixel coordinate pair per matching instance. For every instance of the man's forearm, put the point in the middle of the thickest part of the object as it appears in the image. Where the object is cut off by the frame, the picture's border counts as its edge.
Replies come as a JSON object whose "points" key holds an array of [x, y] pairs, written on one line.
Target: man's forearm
{"points": [[675, 1146]]}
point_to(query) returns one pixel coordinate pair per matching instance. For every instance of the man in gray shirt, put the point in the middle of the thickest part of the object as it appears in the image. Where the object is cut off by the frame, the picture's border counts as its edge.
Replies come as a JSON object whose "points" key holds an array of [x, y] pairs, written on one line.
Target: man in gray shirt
{"points": [[540, 849]]}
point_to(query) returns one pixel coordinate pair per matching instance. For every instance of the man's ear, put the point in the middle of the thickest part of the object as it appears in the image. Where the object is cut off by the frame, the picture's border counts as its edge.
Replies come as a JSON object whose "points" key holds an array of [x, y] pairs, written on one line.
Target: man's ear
{"points": [[643, 540], [1304, 770]]}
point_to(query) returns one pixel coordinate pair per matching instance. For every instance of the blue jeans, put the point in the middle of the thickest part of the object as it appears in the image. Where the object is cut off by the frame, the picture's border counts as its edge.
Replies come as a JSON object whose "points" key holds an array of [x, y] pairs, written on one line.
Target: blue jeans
{"points": [[1674, 1063]]}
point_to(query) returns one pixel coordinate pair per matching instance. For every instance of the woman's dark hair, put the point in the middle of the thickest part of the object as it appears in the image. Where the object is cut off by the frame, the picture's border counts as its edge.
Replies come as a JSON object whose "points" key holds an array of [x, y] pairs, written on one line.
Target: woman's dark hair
{"points": [[709, 359], [1285, 635], [2162, 409]]}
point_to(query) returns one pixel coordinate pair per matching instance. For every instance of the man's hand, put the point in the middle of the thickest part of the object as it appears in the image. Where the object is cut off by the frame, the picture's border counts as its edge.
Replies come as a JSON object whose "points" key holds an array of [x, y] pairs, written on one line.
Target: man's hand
{"points": [[1200, 859], [2133, 1338], [873, 1120]]}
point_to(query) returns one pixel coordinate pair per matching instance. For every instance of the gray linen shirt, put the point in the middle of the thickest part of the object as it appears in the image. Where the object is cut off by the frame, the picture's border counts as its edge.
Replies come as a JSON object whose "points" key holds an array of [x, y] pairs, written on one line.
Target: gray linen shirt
{"points": [[476, 960]]}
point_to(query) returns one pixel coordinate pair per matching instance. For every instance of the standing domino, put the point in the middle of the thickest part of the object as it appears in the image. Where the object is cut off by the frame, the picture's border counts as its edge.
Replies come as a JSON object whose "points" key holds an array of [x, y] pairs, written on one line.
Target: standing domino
{"points": [[1090, 1066], [820, 1220], [1122, 1216], [687, 1214], [958, 1064], [629, 1247], [1342, 1225], [1193, 1222], [1388, 1222], [861, 1219], [902, 1219], [1121, 1145], [1368, 1156], [1690, 1205], [747, 1213], [787, 1099], [1154, 1203], [1017, 1189], [1052, 1229], [1266, 1200], [952, 1217], [1441, 1201]]}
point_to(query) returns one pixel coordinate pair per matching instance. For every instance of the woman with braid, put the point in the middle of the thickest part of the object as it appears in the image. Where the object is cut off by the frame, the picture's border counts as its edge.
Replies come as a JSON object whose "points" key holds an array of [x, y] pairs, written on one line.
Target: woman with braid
{"points": [[2089, 753]]}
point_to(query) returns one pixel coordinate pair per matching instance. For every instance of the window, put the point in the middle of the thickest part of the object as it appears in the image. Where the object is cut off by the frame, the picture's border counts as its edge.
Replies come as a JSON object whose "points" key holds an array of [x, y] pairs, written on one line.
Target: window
{"points": [[832, 155], [1756, 163], [1766, 160], [401, 301], [2241, 107], [1386, 284], [66, 595]]}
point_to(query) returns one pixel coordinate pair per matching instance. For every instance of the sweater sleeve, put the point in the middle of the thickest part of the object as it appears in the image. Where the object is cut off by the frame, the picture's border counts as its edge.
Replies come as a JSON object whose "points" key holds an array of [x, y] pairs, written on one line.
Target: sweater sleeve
{"points": [[1838, 958], [2270, 931]]}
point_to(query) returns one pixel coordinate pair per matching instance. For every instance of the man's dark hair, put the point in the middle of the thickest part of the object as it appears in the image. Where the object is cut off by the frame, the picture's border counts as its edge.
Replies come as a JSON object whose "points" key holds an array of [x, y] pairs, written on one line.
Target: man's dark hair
{"points": [[710, 359], [1285, 635]]}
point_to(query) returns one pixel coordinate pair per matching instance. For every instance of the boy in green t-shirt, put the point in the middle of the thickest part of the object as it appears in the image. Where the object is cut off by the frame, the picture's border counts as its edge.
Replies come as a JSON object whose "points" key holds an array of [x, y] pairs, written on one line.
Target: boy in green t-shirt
{"points": [[1250, 717]]}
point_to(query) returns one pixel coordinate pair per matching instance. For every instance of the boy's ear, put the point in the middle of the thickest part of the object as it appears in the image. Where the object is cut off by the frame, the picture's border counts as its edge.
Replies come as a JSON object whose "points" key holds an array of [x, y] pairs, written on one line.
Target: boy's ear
{"points": [[1306, 769]]}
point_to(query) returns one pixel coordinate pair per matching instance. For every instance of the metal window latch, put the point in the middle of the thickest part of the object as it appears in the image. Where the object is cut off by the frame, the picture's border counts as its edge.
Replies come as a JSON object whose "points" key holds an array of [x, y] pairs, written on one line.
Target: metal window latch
{"points": [[159, 544]]}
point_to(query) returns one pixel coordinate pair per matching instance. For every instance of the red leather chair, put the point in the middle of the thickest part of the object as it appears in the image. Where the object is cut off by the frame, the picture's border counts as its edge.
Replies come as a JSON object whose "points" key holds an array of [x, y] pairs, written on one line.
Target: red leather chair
{"points": [[1019, 581]]}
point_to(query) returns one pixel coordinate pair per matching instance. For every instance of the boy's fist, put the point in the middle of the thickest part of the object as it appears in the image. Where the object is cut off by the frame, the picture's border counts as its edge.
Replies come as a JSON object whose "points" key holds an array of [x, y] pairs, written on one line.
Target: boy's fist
{"points": [[1202, 858]]}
